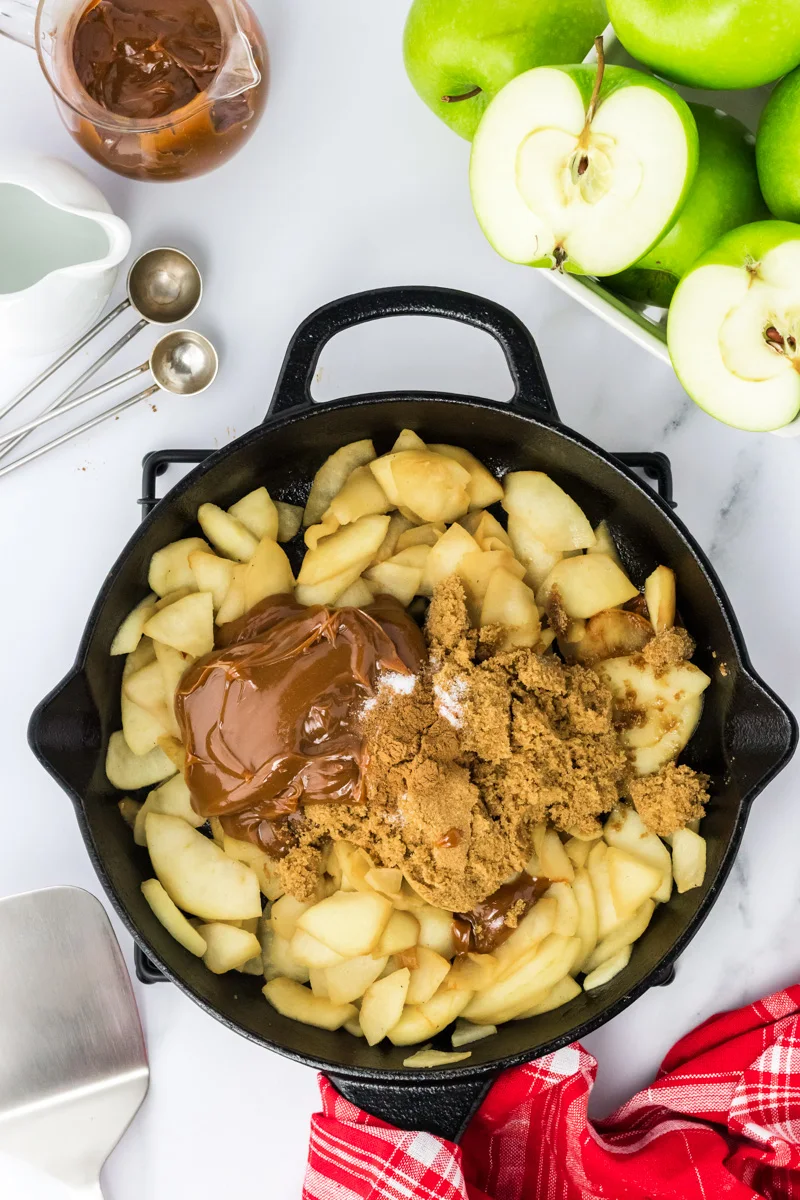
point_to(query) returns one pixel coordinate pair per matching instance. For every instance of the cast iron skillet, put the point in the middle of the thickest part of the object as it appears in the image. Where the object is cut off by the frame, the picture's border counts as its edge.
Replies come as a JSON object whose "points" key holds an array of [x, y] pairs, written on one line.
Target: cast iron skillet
{"points": [[745, 737]]}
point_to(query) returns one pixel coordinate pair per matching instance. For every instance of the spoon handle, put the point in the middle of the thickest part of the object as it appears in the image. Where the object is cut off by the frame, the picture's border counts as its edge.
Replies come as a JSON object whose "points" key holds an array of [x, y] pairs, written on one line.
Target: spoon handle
{"points": [[61, 400], [65, 357], [65, 437], [21, 431]]}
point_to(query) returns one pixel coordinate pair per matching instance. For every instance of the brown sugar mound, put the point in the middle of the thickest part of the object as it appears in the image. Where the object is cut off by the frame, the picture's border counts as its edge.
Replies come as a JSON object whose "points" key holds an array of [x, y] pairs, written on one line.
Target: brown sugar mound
{"points": [[484, 747], [463, 768], [670, 799], [668, 648]]}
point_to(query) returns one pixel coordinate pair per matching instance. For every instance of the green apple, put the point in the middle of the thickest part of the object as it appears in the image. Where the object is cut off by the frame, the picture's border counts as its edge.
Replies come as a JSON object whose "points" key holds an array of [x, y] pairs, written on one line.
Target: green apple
{"points": [[776, 149], [711, 43], [459, 53], [724, 195], [734, 327], [582, 168]]}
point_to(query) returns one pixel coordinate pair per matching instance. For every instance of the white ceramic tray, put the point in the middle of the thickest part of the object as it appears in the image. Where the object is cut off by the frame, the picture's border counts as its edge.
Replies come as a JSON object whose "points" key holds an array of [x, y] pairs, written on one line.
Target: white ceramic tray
{"points": [[645, 325]]}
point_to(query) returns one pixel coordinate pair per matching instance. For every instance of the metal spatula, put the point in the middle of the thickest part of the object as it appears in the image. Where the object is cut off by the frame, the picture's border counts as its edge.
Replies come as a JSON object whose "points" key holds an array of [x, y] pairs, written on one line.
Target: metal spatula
{"points": [[73, 1063]]}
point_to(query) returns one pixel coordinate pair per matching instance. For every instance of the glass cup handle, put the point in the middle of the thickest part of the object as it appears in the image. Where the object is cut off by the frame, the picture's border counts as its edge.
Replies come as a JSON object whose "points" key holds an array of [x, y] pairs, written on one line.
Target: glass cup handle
{"points": [[18, 21]]}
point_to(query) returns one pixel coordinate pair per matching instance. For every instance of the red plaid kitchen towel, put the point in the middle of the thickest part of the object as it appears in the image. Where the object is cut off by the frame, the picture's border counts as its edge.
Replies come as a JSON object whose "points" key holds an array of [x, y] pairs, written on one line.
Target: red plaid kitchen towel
{"points": [[722, 1120]]}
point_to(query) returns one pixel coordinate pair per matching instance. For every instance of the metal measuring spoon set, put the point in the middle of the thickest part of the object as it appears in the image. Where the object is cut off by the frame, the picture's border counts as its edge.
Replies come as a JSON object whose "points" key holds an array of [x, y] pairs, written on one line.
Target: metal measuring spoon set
{"points": [[164, 288]]}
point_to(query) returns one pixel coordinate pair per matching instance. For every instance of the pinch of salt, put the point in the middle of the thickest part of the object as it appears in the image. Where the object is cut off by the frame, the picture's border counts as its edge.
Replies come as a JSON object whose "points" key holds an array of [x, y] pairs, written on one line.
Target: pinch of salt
{"points": [[395, 681], [449, 701]]}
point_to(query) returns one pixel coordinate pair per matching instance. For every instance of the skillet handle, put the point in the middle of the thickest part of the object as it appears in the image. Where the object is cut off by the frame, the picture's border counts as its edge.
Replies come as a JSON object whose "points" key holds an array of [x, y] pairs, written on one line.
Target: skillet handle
{"points": [[444, 1109], [531, 390]]}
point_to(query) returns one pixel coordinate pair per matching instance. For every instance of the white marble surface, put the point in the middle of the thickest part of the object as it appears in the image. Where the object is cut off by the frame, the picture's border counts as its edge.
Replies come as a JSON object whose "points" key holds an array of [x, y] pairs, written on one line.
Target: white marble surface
{"points": [[350, 183]]}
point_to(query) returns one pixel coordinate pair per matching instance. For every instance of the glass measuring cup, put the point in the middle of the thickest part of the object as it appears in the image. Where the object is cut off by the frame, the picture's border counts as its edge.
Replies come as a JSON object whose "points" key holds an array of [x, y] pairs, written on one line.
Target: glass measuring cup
{"points": [[193, 139]]}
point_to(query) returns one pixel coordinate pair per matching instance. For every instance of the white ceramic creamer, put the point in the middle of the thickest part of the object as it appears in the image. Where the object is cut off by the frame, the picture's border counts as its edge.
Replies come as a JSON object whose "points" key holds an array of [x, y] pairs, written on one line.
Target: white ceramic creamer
{"points": [[60, 246]]}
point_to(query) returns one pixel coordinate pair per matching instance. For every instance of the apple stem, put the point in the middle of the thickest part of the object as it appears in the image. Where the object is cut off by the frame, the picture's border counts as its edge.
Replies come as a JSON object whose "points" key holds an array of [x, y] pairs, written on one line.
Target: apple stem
{"points": [[476, 91], [598, 81]]}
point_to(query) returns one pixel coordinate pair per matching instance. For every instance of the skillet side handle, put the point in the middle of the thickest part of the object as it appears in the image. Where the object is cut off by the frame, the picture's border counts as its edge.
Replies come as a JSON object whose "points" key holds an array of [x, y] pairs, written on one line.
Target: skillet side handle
{"points": [[760, 734], [531, 390], [444, 1109], [65, 735]]}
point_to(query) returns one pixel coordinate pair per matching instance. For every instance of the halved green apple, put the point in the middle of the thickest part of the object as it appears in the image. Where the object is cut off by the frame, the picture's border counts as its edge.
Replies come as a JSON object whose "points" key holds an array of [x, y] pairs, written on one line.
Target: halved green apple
{"points": [[734, 327], [582, 168]]}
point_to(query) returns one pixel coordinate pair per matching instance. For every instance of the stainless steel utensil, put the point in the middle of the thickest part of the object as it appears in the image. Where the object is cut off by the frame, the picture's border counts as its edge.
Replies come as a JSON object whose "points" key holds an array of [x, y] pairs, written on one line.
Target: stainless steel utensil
{"points": [[74, 1060], [183, 363], [164, 287]]}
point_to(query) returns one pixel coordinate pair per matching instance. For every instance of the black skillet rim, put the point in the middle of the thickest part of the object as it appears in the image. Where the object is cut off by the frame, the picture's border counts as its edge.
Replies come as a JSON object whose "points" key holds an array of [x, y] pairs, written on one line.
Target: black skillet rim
{"points": [[487, 1070]]}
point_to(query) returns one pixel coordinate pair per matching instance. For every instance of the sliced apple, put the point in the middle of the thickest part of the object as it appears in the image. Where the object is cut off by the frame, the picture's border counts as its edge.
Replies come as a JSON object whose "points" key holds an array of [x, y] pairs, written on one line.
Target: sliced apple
{"points": [[634, 682], [172, 918], [394, 579], [579, 169], [285, 914], [607, 970], [534, 555], [587, 916], [173, 798], [527, 985], [276, 956], [445, 556], [350, 923], [400, 934], [382, 1006], [549, 512], [127, 637], [565, 990], [421, 1022], [586, 584], [187, 625], [128, 771], [624, 935], [631, 879], [611, 634], [290, 518], [688, 859], [293, 1000], [228, 947], [260, 862], [407, 439], [312, 953], [626, 830], [170, 568], [605, 544], [332, 476], [348, 980], [268, 573], [659, 594], [361, 496], [357, 595], [509, 603], [734, 327], [607, 916], [436, 930], [197, 875], [257, 513], [350, 548], [227, 533], [483, 489]]}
